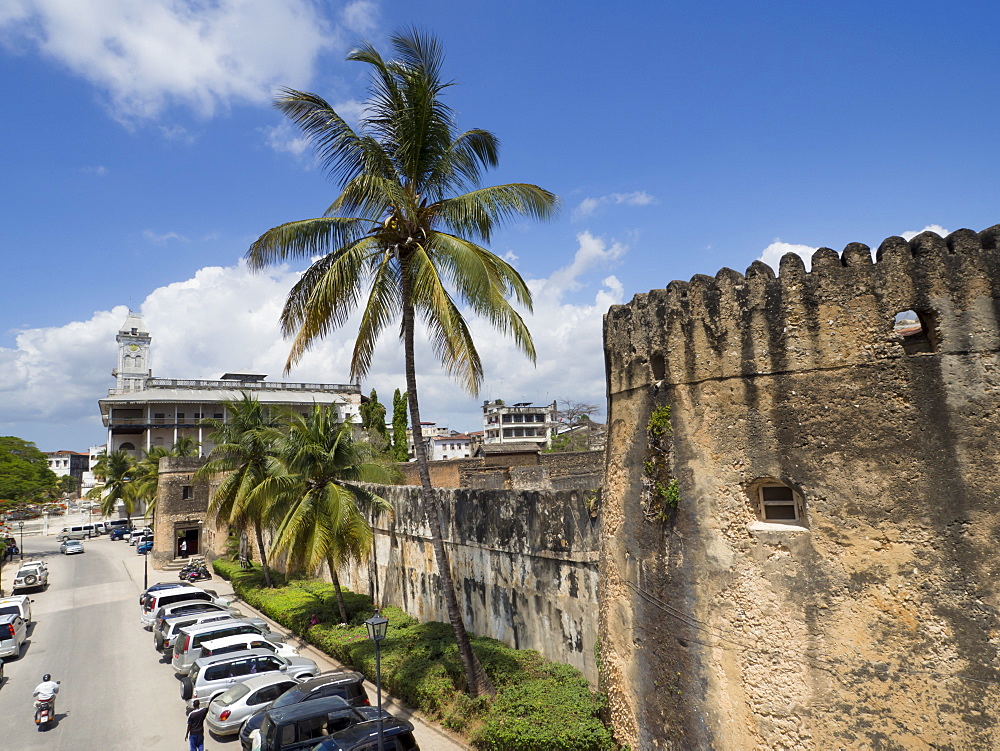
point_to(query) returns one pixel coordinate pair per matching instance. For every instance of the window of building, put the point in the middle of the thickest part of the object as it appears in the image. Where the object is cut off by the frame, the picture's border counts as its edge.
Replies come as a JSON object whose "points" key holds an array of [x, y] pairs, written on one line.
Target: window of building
{"points": [[185, 492], [217, 415], [779, 504], [180, 415]]}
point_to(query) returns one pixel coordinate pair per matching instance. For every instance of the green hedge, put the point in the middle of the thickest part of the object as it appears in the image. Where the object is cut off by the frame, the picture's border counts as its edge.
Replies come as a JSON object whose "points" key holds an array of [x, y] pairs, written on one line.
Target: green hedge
{"points": [[539, 704]]}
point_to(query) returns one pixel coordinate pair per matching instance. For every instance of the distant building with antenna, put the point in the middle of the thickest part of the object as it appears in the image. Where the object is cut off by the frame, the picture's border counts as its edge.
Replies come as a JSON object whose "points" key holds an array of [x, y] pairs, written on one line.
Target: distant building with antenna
{"points": [[521, 422]]}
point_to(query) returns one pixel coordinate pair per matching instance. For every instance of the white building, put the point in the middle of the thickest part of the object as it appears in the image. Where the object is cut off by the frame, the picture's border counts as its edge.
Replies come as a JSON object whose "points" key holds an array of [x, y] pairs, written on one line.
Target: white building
{"points": [[143, 412], [454, 446], [518, 423]]}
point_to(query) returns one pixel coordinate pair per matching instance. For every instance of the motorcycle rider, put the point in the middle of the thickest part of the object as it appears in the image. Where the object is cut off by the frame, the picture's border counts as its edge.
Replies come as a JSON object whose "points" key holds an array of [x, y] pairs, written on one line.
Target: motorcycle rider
{"points": [[46, 691]]}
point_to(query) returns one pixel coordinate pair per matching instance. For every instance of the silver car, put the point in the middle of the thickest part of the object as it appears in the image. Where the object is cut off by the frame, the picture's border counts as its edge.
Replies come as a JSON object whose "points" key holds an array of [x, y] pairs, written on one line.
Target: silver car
{"points": [[176, 617], [13, 632], [211, 676], [230, 709], [188, 641], [68, 547]]}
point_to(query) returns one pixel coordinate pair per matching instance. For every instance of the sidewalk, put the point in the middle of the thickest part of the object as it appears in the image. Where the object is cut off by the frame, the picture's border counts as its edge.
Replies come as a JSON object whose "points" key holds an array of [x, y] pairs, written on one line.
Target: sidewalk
{"points": [[428, 734]]}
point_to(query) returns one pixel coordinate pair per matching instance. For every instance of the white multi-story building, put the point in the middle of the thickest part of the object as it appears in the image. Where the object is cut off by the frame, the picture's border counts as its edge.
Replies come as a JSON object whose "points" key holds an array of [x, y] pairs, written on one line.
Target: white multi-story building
{"points": [[143, 412], [518, 423], [72, 463], [453, 446]]}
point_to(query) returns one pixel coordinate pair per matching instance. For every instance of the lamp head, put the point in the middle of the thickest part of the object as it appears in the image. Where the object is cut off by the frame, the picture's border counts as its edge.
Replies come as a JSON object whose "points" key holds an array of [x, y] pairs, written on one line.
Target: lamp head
{"points": [[377, 626]]}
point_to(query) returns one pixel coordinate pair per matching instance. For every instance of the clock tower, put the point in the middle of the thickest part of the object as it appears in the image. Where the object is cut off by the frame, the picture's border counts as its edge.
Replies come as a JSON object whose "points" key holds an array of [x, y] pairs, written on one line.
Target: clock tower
{"points": [[133, 355]]}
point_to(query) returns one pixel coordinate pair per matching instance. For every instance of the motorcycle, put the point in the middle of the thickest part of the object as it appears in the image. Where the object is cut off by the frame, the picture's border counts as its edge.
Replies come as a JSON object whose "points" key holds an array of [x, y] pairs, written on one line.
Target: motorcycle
{"points": [[190, 566], [196, 573], [45, 710]]}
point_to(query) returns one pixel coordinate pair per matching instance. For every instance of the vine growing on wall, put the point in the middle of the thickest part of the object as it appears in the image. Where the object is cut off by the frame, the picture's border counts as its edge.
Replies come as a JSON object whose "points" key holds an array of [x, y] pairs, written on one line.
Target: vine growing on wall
{"points": [[661, 493]]}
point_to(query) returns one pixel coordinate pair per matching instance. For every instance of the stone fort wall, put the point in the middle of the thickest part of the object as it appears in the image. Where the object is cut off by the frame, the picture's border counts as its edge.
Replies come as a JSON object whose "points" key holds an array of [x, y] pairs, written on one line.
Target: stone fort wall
{"points": [[869, 622]]}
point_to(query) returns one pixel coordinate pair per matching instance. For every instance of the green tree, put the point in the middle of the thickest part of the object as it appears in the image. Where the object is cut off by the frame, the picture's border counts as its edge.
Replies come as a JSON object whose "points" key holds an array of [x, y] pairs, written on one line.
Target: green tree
{"points": [[117, 470], [245, 454], [400, 449], [373, 419], [185, 446], [404, 234], [320, 503], [69, 484], [24, 471]]}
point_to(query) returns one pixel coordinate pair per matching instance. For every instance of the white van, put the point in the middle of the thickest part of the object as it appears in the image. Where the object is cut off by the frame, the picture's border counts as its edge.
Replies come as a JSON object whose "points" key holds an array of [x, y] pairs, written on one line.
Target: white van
{"points": [[72, 533], [100, 528]]}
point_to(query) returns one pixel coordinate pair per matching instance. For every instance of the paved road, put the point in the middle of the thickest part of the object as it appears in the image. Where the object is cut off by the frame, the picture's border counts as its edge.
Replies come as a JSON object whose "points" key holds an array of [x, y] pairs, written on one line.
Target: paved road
{"points": [[116, 693]]}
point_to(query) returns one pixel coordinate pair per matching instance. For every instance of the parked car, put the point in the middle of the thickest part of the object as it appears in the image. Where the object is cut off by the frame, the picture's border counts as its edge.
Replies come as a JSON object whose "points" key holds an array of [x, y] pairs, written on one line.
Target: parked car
{"points": [[68, 547], [13, 632], [17, 605], [100, 528], [31, 574], [349, 685], [166, 597], [187, 644], [168, 615], [301, 726], [139, 535], [173, 626], [148, 593], [144, 547], [243, 642], [397, 735], [228, 710], [210, 676], [119, 533]]}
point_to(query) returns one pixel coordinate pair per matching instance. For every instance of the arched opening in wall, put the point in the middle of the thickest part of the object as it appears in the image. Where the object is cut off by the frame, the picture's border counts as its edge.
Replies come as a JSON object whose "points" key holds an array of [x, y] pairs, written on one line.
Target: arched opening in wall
{"points": [[918, 330], [776, 503], [127, 446]]}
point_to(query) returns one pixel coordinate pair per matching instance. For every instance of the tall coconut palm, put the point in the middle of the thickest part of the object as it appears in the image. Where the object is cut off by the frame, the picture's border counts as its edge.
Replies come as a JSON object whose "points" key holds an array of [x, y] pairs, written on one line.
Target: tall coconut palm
{"points": [[245, 454], [118, 471], [320, 503], [405, 232]]}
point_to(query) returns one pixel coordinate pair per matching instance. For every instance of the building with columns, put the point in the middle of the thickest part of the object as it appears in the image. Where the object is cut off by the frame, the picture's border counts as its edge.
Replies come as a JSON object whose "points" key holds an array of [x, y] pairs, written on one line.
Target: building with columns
{"points": [[142, 412]]}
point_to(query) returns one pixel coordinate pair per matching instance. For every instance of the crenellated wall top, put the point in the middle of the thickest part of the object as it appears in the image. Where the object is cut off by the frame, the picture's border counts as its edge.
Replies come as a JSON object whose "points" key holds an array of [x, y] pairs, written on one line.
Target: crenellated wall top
{"points": [[841, 312]]}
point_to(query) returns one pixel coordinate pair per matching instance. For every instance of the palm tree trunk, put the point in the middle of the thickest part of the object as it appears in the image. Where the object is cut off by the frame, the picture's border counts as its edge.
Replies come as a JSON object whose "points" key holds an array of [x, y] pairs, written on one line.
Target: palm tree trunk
{"points": [[263, 555], [336, 588], [476, 677]]}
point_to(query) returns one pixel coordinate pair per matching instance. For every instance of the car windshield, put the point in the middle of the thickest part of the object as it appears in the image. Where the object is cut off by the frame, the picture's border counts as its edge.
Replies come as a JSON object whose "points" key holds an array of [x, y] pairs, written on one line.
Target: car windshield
{"points": [[292, 696], [233, 695]]}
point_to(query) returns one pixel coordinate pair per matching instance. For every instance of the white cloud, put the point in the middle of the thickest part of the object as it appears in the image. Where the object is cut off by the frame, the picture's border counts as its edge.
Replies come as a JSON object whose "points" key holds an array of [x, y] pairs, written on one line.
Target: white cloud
{"points": [[772, 253], [146, 56], [935, 228], [588, 206], [225, 319], [100, 170], [161, 239]]}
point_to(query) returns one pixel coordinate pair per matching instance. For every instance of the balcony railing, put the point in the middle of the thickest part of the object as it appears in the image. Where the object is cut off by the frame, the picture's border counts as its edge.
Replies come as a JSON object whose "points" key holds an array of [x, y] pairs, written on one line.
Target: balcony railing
{"points": [[173, 383]]}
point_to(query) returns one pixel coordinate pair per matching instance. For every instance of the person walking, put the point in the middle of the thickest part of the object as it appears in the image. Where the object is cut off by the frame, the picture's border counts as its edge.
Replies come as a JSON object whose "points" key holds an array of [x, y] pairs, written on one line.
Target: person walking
{"points": [[183, 548], [195, 734]]}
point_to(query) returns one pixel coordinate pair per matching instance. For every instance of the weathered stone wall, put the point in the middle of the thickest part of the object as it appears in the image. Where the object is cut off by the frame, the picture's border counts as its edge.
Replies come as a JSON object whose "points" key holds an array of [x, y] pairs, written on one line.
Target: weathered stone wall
{"points": [[874, 623], [524, 563], [444, 473]]}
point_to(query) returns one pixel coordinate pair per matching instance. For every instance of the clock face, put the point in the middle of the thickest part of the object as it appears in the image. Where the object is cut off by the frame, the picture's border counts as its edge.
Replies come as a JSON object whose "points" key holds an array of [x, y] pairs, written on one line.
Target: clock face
{"points": [[133, 347]]}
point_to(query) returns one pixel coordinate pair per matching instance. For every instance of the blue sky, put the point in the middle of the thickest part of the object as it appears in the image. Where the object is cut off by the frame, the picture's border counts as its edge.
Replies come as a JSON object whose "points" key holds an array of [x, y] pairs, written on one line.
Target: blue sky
{"points": [[141, 156]]}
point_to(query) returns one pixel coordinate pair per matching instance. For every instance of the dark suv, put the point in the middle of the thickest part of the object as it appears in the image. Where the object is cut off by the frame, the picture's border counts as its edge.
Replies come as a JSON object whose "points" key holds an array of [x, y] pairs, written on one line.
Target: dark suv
{"points": [[301, 726], [345, 684], [397, 735]]}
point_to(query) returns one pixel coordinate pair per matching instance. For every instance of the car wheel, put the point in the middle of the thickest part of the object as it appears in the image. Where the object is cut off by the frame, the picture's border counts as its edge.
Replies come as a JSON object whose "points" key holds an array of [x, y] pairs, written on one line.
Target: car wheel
{"points": [[30, 580], [158, 641], [186, 688]]}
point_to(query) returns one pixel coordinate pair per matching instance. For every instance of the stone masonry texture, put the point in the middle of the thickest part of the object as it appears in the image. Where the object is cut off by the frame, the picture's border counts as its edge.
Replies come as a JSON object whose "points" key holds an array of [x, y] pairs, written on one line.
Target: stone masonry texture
{"points": [[872, 623]]}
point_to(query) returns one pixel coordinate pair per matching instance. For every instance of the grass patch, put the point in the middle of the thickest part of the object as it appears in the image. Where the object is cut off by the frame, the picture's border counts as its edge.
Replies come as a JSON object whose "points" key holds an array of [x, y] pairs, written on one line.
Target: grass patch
{"points": [[539, 704]]}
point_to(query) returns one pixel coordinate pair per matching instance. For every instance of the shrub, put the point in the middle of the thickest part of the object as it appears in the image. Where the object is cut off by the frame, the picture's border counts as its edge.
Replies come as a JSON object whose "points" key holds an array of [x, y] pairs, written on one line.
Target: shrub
{"points": [[539, 704]]}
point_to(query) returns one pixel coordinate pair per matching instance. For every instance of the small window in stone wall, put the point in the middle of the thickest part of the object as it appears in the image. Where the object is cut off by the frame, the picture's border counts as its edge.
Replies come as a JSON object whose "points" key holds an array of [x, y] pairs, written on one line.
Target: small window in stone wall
{"points": [[918, 330], [185, 492], [778, 504]]}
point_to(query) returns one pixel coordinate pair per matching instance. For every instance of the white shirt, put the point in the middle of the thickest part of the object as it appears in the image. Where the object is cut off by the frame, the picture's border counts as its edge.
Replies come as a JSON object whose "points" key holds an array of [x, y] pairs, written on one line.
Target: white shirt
{"points": [[46, 690]]}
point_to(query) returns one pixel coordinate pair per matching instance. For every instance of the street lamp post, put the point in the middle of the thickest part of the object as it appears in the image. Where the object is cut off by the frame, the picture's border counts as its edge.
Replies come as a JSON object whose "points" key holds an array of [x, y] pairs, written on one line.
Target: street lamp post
{"points": [[377, 626], [145, 571], [21, 525]]}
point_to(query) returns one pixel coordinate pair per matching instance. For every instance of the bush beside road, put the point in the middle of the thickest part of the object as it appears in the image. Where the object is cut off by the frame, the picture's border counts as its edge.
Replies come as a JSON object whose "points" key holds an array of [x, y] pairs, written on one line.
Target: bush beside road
{"points": [[539, 704]]}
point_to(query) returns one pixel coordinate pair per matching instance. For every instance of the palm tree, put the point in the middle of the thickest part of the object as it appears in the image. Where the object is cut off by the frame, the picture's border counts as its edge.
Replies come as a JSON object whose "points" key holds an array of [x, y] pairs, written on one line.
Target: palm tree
{"points": [[146, 480], [320, 503], [117, 469], [406, 229], [245, 453]]}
